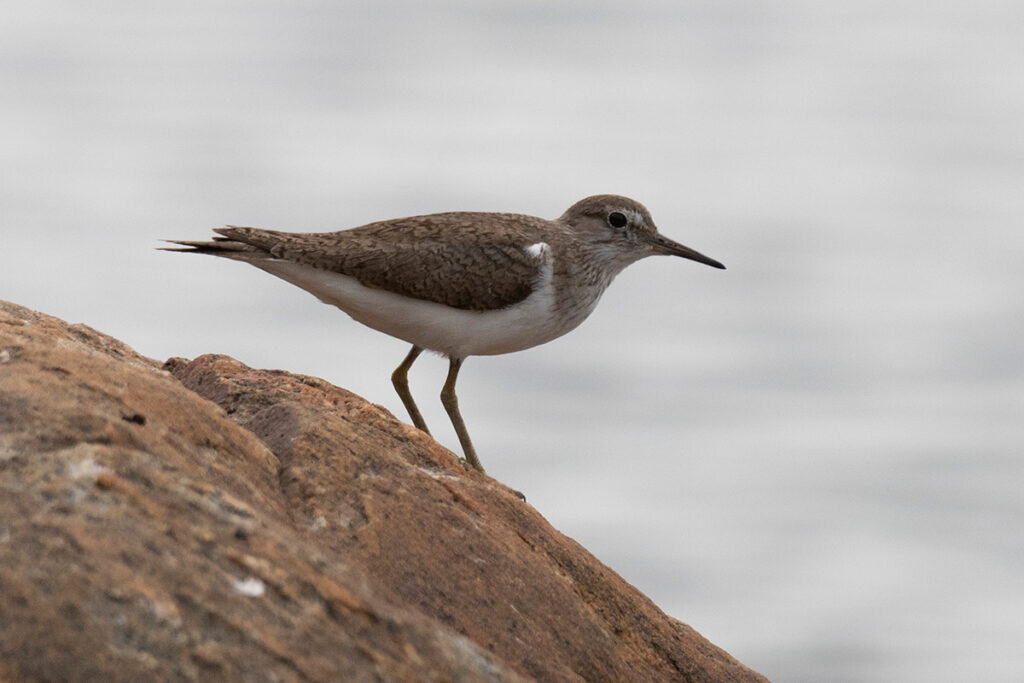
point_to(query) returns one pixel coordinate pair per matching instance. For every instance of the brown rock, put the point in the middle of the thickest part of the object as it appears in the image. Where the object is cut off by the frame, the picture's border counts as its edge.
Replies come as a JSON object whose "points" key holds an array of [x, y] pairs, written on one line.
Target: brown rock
{"points": [[292, 531]]}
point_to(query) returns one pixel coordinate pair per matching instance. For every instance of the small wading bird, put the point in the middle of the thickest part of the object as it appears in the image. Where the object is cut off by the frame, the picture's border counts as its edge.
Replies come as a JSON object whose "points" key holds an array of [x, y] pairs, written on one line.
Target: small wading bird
{"points": [[461, 283]]}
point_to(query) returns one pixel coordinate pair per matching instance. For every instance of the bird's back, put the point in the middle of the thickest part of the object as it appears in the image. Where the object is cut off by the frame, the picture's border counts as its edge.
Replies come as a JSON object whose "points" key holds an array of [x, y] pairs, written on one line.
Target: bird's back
{"points": [[466, 260]]}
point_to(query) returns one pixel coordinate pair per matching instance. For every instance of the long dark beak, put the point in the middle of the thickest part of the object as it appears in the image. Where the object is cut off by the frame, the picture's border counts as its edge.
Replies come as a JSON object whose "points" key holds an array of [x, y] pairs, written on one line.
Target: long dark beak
{"points": [[664, 245]]}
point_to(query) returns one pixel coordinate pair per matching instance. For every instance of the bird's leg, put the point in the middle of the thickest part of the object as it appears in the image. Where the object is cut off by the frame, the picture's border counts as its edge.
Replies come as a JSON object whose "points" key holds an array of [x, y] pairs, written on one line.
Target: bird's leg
{"points": [[451, 405], [400, 378]]}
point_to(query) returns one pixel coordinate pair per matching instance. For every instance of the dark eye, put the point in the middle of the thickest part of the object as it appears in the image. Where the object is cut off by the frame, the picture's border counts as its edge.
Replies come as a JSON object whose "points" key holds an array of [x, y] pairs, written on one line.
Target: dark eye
{"points": [[617, 220]]}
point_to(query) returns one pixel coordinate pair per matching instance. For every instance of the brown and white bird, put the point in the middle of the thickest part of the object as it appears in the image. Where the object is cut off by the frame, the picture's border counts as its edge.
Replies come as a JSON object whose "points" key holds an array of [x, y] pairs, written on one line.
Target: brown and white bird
{"points": [[461, 283]]}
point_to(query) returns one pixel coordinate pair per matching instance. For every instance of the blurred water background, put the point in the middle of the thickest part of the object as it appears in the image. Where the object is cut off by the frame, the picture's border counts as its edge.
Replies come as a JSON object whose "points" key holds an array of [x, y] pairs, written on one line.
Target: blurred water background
{"points": [[814, 457]]}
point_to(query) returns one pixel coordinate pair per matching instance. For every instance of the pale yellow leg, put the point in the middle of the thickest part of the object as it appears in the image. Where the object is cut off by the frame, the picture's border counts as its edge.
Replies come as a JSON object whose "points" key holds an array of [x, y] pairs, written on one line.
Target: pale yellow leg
{"points": [[451, 405], [400, 378]]}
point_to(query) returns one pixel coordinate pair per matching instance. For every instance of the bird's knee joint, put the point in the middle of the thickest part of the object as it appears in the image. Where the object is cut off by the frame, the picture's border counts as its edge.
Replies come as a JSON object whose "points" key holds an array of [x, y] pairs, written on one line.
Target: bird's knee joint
{"points": [[449, 400]]}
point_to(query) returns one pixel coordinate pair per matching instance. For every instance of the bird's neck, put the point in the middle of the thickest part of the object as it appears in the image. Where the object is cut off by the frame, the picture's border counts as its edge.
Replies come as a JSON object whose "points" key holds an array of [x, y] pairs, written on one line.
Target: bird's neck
{"points": [[582, 273]]}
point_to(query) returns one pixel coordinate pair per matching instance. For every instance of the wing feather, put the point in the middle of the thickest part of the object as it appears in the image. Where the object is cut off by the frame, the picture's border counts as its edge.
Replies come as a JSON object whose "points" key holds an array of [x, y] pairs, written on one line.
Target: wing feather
{"points": [[464, 260]]}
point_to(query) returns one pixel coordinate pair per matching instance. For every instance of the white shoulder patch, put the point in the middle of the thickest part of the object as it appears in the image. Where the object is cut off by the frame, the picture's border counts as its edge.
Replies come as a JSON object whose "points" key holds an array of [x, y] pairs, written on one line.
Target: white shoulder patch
{"points": [[538, 250]]}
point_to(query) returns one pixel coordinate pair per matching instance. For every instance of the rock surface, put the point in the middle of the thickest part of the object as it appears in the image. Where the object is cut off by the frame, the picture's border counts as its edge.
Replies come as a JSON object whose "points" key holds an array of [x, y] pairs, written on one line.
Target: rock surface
{"points": [[202, 520]]}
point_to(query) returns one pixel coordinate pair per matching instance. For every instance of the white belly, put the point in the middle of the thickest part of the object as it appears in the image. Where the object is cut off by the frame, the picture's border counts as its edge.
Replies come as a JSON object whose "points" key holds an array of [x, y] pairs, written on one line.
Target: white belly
{"points": [[452, 331]]}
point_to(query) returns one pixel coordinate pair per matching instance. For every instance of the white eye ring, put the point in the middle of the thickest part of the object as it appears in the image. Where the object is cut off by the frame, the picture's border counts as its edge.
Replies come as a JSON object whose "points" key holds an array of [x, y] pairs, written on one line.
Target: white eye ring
{"points": [[617, 219]]}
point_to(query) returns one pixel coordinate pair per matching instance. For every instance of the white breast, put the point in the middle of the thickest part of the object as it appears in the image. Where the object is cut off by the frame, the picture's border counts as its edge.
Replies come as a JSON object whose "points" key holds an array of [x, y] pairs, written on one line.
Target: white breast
{"points": [[452, 331]]}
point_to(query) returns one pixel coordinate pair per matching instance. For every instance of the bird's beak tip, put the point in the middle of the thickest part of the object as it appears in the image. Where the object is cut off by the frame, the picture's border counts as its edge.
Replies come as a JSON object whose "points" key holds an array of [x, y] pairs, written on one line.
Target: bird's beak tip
{"points": [[667, 246]]}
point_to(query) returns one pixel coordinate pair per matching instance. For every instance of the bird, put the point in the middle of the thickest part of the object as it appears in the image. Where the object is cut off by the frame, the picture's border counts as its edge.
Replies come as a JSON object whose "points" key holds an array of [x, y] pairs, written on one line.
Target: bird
{"points": [[461, 283]]}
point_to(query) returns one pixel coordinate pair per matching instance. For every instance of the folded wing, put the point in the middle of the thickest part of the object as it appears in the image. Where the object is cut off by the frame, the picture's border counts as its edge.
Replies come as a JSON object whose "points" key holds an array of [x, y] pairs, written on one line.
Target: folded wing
{"points": [[449, 259]]}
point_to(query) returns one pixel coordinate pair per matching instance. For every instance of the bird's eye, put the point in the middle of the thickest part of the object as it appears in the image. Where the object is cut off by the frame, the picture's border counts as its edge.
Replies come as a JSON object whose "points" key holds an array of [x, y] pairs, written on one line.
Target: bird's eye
{"points": [[617, 219]]}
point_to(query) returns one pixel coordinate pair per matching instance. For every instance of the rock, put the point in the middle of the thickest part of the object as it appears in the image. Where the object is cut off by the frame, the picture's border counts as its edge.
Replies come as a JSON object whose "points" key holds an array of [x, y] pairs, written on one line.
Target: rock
{"points": [[202, 520]]}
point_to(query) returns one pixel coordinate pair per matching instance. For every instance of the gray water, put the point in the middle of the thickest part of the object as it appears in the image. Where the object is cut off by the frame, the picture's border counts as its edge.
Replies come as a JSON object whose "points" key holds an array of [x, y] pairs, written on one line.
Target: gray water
{"points": [[814, 457]]}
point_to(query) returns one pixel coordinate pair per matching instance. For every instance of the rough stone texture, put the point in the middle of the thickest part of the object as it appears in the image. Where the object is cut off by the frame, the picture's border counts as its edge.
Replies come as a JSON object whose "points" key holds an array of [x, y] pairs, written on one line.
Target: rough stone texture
{"points": [[279, 528]]}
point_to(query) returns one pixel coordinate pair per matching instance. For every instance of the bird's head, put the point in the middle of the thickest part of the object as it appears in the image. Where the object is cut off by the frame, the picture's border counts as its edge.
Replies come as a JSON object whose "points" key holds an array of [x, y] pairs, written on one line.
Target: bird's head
{"points": [[624, 229]]}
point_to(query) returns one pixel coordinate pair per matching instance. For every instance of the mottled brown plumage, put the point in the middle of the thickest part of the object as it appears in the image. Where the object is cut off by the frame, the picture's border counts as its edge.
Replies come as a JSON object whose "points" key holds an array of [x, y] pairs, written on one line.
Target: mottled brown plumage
{"points": [[466, 260]]}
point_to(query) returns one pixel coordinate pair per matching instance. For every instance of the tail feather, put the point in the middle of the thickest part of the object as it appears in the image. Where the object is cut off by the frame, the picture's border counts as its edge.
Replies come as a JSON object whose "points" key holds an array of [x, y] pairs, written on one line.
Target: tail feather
{"points": [[218, 246]]}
